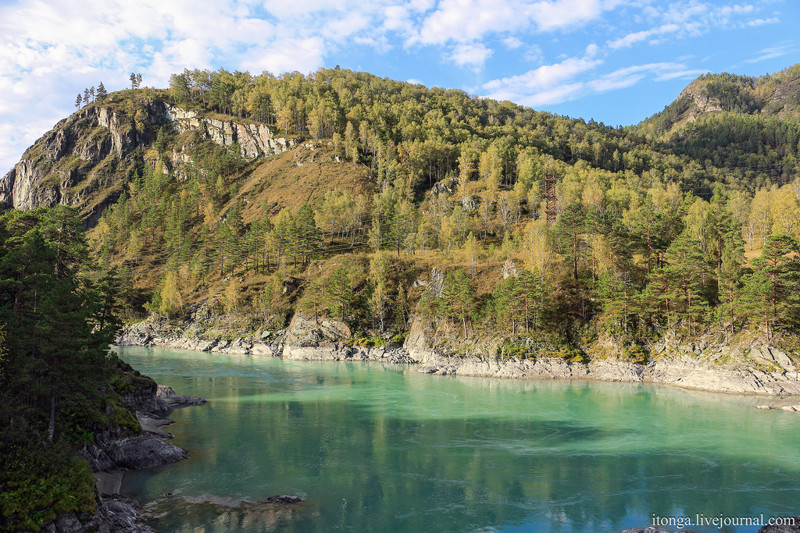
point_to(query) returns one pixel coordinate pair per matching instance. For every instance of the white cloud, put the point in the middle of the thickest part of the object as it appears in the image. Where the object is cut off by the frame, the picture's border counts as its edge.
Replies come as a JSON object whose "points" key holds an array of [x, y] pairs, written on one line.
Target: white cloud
{"points": [[52, 49], [680, 73], [556, 14], [547, 83], [469, 20], [773, 52], [629, 76], [571, 79], [546, 75], [639, 36], [473, 55], [533, 54], [556, 95], [761, 22], [303, 55], [512, 43], [71, 45], [465, 21]]}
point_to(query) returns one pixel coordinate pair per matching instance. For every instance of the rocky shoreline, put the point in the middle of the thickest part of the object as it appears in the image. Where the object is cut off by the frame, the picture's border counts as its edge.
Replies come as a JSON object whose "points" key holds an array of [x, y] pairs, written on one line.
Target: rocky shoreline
{"points": [[755, 369], [115, 451]]}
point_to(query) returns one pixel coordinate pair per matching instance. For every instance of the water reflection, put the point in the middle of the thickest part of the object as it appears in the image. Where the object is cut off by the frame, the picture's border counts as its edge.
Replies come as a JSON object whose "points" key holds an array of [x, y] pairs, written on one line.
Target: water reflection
{"points": [[378, 450]]}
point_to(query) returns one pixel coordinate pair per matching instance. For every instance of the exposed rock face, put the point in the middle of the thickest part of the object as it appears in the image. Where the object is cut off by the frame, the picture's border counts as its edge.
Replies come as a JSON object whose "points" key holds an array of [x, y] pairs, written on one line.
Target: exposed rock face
{"points": [[123, 136], [111, 452], [173, 399], [329, 340], [509, 270], [157, 332], [115, 514], [702, 103], [254, 140], [116, 450], [304, 339], [723, 370], [78, 146], [761, 370]]}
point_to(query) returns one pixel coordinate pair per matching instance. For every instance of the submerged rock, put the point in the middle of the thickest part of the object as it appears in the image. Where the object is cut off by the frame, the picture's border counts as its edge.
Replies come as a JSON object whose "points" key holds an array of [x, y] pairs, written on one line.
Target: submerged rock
{"points": [[210, 513], [283, 498], [173, 399]]}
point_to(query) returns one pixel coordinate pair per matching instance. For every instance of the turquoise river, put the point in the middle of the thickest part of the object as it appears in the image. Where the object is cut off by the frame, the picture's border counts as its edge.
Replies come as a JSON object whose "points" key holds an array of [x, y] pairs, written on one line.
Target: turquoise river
{"points": [[384, 448]]}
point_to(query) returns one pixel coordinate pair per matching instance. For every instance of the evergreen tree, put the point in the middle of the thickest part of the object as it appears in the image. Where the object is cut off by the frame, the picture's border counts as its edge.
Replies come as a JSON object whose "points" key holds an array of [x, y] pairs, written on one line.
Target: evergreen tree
{"points": [[570, 229], [78, 101], [101, 92], [338, 293], [771, 294], [458, 298], [307, 236]]}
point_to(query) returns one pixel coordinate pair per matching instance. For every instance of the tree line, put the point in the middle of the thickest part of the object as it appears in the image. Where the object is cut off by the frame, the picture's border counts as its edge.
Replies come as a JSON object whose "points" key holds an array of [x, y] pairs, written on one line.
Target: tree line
{"points": [[56, 323], [636, 248]]}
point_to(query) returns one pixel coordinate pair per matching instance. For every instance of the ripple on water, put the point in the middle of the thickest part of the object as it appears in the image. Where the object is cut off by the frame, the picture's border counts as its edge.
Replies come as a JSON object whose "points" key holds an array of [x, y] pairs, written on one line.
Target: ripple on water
{"points": [[380, 450]]}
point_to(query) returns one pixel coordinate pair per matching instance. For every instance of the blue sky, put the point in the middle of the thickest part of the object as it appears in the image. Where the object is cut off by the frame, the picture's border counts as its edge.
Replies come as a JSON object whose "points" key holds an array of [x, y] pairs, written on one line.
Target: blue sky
{"points": [[616, 61]]}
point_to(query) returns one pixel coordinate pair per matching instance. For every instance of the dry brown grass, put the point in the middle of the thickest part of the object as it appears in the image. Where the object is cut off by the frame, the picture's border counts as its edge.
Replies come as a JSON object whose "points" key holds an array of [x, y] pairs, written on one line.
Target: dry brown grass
{"points": [[299, 176]]}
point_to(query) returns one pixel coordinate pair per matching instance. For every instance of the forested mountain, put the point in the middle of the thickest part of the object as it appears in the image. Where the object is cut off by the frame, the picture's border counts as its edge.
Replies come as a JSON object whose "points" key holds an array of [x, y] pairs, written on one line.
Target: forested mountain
{"points": [[378, 203], [227, 186], [748, 126]]}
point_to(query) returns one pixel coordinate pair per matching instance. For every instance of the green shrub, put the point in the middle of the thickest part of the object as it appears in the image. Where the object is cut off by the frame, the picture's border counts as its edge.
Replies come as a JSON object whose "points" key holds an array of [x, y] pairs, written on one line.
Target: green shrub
{"points": [[515, 348], [636, 354], [39, 483], [574, 355]]}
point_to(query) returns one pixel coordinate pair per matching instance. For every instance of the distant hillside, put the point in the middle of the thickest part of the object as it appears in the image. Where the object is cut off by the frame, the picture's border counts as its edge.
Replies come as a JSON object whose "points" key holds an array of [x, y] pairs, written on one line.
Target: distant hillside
{"points": [[773, 95], [747, 127]]}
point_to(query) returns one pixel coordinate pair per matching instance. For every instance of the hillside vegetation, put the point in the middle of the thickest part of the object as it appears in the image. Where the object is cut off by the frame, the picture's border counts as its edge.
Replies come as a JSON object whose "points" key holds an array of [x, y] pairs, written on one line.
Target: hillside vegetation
{"points": [[680, 226]]}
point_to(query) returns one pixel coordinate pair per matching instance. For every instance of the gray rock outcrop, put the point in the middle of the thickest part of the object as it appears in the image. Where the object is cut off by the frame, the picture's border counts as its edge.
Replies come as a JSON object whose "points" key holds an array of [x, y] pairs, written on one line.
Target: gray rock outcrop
{"points": [[49, 171], [115, 514], [254, 140]]}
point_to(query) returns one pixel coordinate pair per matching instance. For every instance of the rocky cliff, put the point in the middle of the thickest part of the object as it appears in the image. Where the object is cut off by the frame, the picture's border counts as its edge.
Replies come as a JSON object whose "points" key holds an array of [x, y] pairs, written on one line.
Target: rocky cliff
{"points": [[752, 369], [137, 444], [86, 158]]}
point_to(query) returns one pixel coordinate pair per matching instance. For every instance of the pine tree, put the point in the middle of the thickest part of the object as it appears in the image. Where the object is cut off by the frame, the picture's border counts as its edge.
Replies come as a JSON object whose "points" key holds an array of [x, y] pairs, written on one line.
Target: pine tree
{"points": [[771, 294], [307, 236], [569, 230], [687, 273], [101, 92], [136, 80], [458, 298], [78, 101], [730, 245], [338, 293]]}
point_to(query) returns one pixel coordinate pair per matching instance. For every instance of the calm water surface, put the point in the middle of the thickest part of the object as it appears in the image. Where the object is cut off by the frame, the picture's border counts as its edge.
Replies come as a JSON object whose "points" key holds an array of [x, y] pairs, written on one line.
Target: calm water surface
{"points": [[383, 448]]}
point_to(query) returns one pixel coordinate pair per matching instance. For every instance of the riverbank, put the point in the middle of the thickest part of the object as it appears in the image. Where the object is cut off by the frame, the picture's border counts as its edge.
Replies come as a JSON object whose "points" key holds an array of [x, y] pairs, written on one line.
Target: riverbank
{"points": [[120, 449], [753, 368]]}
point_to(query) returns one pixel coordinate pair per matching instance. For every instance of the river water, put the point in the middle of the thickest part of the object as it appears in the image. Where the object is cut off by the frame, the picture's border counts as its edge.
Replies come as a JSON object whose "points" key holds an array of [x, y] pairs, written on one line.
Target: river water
{"points": [[384, 448]]}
